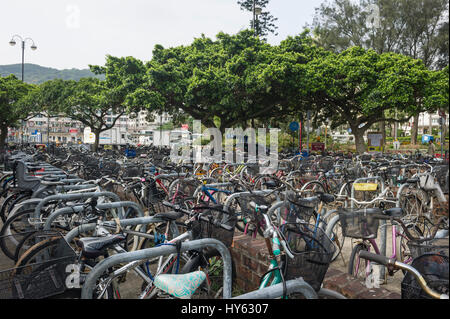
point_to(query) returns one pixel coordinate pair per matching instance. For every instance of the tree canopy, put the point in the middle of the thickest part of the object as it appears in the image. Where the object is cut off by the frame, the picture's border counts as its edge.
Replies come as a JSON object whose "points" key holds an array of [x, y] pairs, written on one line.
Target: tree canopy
{"points": [[15, 104]]}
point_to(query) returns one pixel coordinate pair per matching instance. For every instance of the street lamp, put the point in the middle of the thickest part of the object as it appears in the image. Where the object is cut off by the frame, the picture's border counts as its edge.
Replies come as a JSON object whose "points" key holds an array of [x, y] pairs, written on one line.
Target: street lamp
{"points": [[33, 47], [13, 43]]}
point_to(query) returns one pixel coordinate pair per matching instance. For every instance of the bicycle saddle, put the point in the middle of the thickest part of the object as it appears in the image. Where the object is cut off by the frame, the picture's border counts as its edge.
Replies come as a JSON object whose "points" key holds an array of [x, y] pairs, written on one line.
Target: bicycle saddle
{"points": [[270, 184], [93, 247], [172, 215], [180, 286], [326, 198], [393, 212]]}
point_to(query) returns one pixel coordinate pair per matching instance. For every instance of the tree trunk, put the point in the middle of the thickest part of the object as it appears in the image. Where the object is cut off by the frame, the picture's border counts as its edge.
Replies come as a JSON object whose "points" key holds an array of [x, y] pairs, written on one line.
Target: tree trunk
{"points": [[430, 124], [359, 140], [3, 135], [383, 132], [414, 130], [97, 139]]}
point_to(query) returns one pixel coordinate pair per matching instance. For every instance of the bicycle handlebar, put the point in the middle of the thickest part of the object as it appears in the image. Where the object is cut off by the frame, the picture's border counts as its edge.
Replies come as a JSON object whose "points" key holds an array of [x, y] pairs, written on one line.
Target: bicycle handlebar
{"points": [[216, 223], [388, 262]]}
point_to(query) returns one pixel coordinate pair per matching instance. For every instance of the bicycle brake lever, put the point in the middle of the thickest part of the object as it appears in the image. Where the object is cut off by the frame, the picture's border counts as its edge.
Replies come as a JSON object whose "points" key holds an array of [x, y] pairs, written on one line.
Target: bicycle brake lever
{"points": [[286, 249]]}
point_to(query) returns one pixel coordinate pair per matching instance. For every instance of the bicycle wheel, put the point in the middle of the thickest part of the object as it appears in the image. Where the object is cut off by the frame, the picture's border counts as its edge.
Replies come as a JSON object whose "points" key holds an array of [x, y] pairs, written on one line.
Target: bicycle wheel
{"points": [[358, 267], [338, 238], [7, 204], [404, 254], [20, 198], [11, 230], [311, 188]]}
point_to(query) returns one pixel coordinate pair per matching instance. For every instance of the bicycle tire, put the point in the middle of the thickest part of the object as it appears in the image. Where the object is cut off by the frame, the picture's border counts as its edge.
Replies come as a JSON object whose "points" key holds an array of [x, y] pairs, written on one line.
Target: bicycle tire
{"points": [[19, 199], [355, 261], [7, 233]]}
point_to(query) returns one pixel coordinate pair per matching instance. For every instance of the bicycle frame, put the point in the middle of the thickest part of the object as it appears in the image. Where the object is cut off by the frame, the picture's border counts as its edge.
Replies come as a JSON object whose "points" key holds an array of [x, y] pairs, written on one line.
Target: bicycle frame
{"points": [[395, 235]]}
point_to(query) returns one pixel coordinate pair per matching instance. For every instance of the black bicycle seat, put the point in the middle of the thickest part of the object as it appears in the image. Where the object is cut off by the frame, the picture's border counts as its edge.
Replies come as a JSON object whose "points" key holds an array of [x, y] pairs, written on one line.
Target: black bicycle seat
{"points": [[172, 215], [270, 184], [93, 247], [393, 212], [326, 198]]}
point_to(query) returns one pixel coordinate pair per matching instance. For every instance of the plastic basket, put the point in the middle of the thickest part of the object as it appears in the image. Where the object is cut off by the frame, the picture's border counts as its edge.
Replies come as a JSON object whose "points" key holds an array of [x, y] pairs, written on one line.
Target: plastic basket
{"points": [[356, 223], [435, 270], [313, 251], [42, 278], [439, 246]]}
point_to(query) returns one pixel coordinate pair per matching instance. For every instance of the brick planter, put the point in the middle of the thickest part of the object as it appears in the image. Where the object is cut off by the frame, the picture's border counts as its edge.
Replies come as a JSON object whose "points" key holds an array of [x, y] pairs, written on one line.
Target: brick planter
{"points": [[252, 261]]}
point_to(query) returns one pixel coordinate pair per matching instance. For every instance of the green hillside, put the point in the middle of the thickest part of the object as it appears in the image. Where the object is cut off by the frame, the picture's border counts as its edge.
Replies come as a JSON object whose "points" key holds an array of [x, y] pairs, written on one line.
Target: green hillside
{"points": [[38, 74]]}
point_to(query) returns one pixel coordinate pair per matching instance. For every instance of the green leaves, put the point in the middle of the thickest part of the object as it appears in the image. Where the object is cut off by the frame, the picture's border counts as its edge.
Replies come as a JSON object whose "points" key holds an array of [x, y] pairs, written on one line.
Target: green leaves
{"points": [[15, 104]]}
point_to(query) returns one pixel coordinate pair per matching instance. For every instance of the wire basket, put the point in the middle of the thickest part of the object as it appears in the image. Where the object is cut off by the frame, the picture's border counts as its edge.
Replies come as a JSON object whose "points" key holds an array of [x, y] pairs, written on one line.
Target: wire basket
{"points": [[354, 172], [357, 223], [299, 208], [435, 270], [158, 207], [247, 211], [441, 174], [132, 171], [439, 246], [313, 252], [327, 164], [206, 229], [185, 188], [43, 277]]}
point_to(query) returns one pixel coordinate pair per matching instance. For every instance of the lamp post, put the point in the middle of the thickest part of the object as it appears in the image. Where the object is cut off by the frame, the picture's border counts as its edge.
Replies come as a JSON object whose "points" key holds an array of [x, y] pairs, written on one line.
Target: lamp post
{"points": [[33, 47], [23, 41]]}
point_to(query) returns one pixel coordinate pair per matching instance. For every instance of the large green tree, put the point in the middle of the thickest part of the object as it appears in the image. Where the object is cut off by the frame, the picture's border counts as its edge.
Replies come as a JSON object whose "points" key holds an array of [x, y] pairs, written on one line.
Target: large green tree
{"points": [[236, 78], [417, 28], [92, 101], [15, 104], [357, 87]]}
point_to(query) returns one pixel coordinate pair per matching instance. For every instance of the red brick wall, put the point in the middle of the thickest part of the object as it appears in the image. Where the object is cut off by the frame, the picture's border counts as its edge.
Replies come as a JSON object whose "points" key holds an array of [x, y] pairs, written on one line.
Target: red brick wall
{"points": [[252, 261]]}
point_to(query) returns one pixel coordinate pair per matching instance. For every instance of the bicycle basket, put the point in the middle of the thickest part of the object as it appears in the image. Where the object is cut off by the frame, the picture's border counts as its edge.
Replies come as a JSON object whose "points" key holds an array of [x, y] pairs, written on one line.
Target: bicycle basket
{"points": [[440, 172], [434, 268], [158, 207], [438, 245], [45, 275], [206, 229], [313, 251], [244, 203], [356, 223], [326, 164], [298, 208]]}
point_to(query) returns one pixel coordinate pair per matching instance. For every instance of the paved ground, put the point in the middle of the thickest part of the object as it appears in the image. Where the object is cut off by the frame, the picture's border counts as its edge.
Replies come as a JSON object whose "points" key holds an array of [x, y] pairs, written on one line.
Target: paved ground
{"points": [[391, 283]]}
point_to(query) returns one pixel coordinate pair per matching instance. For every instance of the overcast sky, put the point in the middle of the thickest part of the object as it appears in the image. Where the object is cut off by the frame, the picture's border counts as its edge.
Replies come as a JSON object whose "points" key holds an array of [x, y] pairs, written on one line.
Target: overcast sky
{"points": [[75, 33]]}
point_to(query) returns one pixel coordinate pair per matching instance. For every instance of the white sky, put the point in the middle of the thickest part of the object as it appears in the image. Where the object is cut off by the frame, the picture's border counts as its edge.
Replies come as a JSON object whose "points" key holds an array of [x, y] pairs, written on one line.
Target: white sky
{"points": [[75, 33]]}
